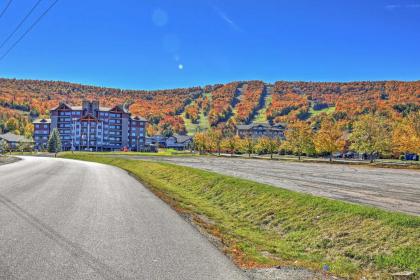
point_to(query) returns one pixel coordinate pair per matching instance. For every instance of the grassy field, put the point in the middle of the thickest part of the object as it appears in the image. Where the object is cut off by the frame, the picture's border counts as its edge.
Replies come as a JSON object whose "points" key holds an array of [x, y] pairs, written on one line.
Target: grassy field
{"points": [[261, 116], [192, 128], [328, 110], [262, 226]]}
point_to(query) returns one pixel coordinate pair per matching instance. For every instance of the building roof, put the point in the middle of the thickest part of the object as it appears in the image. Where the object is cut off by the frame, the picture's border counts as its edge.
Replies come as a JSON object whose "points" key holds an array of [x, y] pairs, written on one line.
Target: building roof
{"points": [[10, 137], [265, 125], [182, 138], [80, 108], [42, 121], [118, 108], [137, 118]]}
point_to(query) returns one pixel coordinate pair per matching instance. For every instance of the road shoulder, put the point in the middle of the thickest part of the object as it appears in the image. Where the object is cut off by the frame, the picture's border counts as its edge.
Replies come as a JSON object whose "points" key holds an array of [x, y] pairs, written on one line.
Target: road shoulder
{"points": [[7, 160]]}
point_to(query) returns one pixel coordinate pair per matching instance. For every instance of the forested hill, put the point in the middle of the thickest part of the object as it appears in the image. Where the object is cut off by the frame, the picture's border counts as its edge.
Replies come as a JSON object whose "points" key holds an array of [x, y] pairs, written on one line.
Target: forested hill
{"points": [[193, 109]]}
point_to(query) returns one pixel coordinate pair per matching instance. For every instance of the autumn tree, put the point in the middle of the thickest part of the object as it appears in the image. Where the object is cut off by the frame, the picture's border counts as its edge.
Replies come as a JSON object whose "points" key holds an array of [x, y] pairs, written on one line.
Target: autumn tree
{"points": [[299, 138], [12, 125], [406, 134], [231, 144], [216, 139], [371, 135], [268, 145], [329, 138], [29, 130], [247, 145], [200, 142]]}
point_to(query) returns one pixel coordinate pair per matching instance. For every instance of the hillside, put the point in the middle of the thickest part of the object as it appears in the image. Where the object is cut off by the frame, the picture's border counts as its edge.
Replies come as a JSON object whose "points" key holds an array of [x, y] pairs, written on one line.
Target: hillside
{"points": [[192, 109]]}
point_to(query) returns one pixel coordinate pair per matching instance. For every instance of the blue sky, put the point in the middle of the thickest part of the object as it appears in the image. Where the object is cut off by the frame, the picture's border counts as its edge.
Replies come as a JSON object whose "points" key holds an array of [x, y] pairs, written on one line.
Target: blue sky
{"points": [[166, 44]]}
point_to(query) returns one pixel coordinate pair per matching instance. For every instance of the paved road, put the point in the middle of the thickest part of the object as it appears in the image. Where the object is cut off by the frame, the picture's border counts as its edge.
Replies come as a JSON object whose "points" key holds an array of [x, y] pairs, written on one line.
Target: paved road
{"points": [[63, 219], [393, 189]]}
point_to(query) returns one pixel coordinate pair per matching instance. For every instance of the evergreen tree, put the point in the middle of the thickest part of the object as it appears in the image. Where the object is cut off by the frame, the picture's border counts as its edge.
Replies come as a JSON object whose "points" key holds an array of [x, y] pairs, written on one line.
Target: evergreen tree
{"points": [[54, 142]]}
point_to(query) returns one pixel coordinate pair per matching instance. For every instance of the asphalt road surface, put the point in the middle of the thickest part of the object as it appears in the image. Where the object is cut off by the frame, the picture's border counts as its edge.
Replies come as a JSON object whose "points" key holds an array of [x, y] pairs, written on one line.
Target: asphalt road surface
{"points": [[64, 219], [392, 189]]}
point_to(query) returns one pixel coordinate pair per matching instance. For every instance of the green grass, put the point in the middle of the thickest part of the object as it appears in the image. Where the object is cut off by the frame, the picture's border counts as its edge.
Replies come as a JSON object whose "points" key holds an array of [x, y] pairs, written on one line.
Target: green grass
{"points": [[261, 116], [161, 152], [328, 111], [192, 128], [203, 122], [263, 226]]}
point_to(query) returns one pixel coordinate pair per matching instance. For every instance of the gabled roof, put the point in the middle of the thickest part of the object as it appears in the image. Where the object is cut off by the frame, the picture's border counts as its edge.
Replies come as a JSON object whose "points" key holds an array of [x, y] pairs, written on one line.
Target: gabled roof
{"points": [[278, 126], [89, 118], [182, 138], [42, 121], [119, 109], [62, 106], [10, 137], [252, 125]]}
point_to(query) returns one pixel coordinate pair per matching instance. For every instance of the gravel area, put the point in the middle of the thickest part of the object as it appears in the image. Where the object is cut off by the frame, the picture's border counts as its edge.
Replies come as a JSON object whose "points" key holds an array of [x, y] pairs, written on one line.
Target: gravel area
{"points": [[387, 188], [6, 160], [286, 273]]}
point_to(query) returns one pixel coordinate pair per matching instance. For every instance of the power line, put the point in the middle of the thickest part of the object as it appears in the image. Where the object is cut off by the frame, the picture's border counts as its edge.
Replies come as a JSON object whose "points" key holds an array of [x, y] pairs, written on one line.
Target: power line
{"points": [[5, 8], [28, 30], [20, 24]]}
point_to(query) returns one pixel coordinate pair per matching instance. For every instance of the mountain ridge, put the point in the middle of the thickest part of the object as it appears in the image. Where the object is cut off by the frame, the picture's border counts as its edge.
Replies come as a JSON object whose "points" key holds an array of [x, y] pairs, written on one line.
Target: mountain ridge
{"points": [[186, 110]]}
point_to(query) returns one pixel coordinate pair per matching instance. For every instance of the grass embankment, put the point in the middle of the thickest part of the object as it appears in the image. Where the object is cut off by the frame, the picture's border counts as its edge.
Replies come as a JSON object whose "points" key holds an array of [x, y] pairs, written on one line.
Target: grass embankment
{"points": [[161, 152], [263, 226]]}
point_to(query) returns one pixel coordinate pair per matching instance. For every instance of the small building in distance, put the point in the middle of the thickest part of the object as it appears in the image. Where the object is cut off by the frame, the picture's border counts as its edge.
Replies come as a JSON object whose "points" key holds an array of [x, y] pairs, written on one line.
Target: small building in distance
{"points": [[257, 130], [41, 133], [179, 142], [13, 140], [92, 127], [176, 141]]}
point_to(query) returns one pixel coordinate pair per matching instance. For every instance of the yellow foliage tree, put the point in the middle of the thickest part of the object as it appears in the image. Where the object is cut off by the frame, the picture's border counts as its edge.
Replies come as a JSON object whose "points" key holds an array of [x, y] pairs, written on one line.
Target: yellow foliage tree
{"points": [[371, 135], [231, 144], [299, 138], [329, 138], [248, 145], [268, 145], [29, 130], [200, 142], [406, 135]]}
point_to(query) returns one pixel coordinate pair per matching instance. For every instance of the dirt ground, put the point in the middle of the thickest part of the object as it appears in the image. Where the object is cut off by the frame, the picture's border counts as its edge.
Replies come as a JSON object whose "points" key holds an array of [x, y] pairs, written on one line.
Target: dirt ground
{"points": [[392, 189]]}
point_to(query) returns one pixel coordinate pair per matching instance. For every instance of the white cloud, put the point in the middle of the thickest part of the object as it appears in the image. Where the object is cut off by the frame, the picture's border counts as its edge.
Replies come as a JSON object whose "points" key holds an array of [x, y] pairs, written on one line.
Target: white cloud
{"points": [[397, 6], [160, 17], [227, 19], [392, 6]]}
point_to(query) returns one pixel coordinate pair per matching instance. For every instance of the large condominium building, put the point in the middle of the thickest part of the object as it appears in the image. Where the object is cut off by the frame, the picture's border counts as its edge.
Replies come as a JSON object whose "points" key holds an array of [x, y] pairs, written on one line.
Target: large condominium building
{"points": [[91, 127]]}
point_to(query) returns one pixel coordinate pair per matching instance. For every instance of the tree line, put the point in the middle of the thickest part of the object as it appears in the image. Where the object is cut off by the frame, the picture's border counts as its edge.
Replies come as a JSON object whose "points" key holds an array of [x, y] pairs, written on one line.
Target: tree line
{"points": [[373, 135]]}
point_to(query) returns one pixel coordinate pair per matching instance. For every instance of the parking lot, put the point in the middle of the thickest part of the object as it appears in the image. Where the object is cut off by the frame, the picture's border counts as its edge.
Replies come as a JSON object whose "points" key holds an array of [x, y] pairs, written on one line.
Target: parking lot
{"points": [[387, 188]]}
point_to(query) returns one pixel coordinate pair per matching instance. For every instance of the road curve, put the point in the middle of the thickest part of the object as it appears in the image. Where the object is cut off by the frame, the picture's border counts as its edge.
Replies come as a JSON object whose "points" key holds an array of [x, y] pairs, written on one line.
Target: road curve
{"points": [[387, 188], [65, 219]]}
